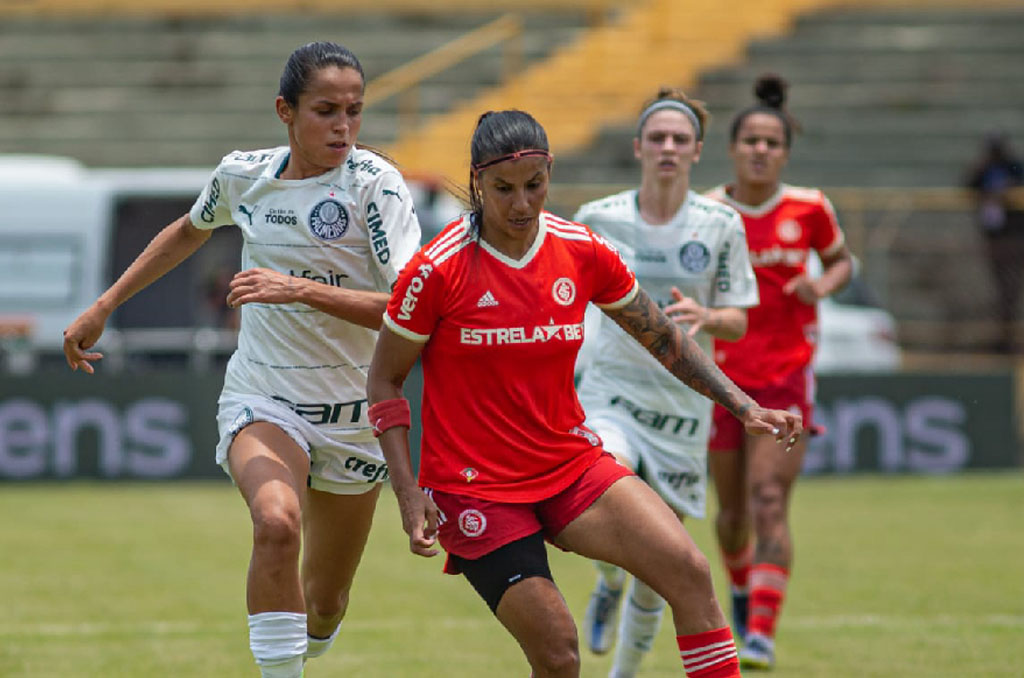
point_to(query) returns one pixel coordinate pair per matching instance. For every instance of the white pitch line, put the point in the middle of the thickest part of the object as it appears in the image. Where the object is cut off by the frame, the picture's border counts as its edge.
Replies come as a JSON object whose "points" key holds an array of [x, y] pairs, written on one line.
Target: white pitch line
{"points": [[138, 628], [879, 621], [189, 628]]}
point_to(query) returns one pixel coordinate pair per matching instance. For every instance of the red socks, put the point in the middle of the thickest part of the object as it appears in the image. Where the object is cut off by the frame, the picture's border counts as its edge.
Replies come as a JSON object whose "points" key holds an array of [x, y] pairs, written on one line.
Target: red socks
{"points": [[767, 590], [738, 565], [711, 654]]}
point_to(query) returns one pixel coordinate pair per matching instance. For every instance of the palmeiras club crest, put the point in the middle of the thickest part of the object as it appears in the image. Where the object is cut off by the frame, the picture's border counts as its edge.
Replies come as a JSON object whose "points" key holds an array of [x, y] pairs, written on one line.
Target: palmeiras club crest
{"points": [[694, 257], [328, 220]]}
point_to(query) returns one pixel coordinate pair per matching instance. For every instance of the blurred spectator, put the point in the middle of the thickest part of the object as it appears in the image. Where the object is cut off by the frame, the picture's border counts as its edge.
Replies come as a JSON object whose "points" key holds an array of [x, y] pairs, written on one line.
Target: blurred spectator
{"points": [[992, 178]]}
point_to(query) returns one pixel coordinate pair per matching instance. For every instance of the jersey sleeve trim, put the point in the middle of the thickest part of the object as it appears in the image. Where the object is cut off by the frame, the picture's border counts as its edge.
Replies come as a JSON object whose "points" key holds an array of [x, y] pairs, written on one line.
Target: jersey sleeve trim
{"points": [[836, 245], [624, 301], [404, 333]]}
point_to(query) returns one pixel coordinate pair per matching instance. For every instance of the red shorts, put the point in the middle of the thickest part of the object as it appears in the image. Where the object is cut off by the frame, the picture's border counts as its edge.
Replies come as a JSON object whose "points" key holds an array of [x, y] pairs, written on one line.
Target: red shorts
{"points": [[795, 393], [472, 528]]}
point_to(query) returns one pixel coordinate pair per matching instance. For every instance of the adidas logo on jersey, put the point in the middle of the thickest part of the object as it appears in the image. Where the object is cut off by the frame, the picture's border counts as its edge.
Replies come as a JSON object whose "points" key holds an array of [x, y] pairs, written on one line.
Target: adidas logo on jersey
{"points": [[487, 300]]}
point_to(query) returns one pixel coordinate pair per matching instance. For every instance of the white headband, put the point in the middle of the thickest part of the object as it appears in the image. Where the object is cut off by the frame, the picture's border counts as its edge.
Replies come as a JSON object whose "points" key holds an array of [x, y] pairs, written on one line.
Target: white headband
{"points": [[670, 104]]}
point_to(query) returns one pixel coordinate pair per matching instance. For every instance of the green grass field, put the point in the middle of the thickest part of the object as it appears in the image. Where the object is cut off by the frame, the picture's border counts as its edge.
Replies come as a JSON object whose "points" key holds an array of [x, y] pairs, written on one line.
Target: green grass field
{"points": [[895, 577]]}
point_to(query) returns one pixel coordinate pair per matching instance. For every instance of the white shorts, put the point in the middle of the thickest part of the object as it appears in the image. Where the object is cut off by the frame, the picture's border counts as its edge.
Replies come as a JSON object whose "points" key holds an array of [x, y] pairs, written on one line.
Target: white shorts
{"points": [[633, 427], [337, 464]]}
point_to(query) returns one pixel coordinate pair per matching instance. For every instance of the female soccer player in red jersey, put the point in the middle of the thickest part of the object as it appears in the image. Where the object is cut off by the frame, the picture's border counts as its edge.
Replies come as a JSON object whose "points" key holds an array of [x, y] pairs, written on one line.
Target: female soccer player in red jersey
{"points": [[494, 306], [772, 362]]}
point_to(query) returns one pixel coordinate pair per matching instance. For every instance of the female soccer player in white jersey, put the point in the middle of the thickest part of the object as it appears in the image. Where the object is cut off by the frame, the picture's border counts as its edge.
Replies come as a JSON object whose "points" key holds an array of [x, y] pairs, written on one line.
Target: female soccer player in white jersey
{"points": [[494, 305], [326, 227], [772, 361], [690, 255]]}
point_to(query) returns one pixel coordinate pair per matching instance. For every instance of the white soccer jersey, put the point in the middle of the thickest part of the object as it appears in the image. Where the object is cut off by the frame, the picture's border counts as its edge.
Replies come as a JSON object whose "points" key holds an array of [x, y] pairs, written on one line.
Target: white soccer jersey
{"points": [[630, 399], [702, 251], [353, 227]]}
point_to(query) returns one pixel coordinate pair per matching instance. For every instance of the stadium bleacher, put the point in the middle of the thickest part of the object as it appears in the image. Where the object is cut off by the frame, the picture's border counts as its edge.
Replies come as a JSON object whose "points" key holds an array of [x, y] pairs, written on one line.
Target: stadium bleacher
{"points": [[182, 90], [894, 101], [886, 97], [890, 95]]}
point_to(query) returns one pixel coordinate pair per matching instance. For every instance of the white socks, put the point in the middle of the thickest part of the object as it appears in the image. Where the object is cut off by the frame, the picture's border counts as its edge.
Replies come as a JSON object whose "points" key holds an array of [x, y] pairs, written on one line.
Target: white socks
{"points": [[641, 618], [613, 575], [278, 643], [317, 646]]}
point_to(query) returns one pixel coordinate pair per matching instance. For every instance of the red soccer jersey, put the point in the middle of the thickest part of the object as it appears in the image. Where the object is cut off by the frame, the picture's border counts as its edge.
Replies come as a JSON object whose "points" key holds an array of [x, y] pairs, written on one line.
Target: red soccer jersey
{"points": [[781, 330], [500, 416]]}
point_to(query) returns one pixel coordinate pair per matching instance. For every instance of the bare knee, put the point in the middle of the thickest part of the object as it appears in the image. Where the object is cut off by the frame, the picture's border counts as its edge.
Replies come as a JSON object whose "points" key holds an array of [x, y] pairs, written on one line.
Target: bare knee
{"points": [[325, 608], [694, 565], [558, 657], [768, 505], [691, 595], [690, 575], [732, 521], [277, 528]]}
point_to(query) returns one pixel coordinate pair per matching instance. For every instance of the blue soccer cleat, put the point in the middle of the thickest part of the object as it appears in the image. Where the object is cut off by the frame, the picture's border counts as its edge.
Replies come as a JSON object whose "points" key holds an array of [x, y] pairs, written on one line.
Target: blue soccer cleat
{"points": [[740, 611], [758, 653], [600, 621]]}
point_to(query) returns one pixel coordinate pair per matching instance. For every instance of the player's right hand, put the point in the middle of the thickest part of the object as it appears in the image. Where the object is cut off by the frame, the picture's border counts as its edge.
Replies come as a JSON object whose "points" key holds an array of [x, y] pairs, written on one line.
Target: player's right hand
{"points": [[80, 336], [787, 427]]}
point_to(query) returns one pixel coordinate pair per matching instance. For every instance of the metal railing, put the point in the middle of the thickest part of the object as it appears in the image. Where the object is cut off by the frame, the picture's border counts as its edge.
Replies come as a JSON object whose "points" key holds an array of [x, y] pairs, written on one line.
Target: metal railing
{"points": [[405, 81], [922, 254]]}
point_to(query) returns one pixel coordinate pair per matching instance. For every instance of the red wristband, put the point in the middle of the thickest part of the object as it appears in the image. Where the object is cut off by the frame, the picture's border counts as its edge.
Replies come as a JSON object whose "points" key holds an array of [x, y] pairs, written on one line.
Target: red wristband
{"points": [[389, 413]]}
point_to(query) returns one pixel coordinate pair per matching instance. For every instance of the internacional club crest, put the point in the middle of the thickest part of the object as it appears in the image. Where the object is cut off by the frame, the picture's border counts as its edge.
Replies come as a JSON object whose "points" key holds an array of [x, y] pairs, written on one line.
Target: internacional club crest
{"points": [[789, 231], [564, 291], [472, 523], [694, 257], [328, 220]]}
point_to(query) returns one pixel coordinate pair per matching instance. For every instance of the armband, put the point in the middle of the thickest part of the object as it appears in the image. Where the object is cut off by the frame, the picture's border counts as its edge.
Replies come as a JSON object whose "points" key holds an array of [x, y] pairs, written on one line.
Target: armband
{"points": [[388, 414]]}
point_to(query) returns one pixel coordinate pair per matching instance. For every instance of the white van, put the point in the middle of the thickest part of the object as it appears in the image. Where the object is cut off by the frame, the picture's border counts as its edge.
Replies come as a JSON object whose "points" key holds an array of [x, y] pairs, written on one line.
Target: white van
{"points": [[61, 225], [67, 232]]}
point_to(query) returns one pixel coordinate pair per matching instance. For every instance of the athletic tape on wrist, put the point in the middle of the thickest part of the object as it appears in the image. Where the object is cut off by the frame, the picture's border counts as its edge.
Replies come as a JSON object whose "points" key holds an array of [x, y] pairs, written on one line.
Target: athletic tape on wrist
{"points": [[388, 414]]}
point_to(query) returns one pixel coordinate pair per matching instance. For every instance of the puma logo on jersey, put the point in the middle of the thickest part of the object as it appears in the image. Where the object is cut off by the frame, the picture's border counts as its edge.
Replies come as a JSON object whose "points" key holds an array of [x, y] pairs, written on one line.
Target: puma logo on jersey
{"points": [[245, 210], [487, 300], [394, 193]]}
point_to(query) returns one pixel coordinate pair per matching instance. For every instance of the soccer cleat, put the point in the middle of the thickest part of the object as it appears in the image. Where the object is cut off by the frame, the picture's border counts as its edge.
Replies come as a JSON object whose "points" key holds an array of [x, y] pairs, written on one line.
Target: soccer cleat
{"points": [[758, 653], [600, 621], [740, 611]]}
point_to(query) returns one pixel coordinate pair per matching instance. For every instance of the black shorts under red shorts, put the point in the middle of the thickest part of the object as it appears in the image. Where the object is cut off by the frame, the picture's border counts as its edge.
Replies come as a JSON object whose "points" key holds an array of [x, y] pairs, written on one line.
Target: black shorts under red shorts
{"points": [[472, 527]]}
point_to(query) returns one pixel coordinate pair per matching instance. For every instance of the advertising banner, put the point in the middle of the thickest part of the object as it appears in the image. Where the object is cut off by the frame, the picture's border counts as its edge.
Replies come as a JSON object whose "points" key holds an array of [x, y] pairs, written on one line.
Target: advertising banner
{"points": [[162, 425], [916, 423], [71, 425]]}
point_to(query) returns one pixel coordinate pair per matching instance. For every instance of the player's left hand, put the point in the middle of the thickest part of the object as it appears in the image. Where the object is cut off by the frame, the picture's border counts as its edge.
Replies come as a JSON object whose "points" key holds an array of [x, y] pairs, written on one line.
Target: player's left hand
{"points": [[785, 426], [264, 286], [686, 311], [805, 288], [420, 520]]}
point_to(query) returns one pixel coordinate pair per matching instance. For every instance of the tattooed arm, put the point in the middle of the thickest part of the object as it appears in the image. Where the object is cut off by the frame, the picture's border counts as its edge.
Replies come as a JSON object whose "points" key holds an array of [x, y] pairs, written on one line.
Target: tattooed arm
{"points": [[681, 356]]}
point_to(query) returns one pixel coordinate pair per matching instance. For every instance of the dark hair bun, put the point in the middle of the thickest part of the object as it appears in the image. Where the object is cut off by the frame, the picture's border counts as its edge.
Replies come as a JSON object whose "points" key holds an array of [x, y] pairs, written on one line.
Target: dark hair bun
{"points": [[770, 90]]}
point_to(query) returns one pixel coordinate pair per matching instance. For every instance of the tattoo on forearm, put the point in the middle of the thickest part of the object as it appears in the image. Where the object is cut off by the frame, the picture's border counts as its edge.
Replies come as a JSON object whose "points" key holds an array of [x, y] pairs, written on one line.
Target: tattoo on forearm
{"points": [[680, 354]]}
